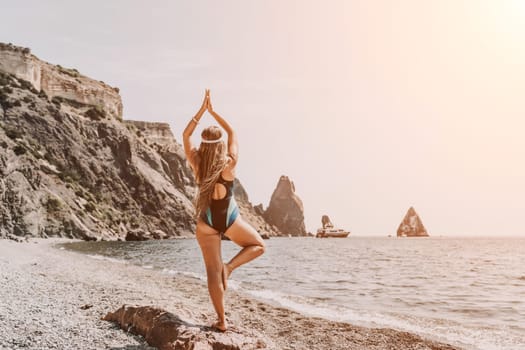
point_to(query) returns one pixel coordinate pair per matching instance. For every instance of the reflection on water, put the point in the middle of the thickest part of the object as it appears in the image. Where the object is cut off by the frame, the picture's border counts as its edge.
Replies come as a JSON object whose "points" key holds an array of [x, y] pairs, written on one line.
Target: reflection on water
{"points": [[467, 291]]}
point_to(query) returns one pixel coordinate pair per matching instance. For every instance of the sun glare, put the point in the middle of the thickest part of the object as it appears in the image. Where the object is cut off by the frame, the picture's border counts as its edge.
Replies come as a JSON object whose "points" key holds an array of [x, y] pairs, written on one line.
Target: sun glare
{"points": [[512, 17]]}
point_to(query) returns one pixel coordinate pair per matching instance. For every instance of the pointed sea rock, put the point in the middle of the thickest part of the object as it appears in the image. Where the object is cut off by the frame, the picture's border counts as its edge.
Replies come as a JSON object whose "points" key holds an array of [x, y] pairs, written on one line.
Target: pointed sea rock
{"points": [[286, 209], [411, 226]]}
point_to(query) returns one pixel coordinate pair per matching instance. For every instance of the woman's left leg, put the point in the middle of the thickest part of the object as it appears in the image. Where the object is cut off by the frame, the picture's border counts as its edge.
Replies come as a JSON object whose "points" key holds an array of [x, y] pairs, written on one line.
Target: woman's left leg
{"points": [[210, 244]]}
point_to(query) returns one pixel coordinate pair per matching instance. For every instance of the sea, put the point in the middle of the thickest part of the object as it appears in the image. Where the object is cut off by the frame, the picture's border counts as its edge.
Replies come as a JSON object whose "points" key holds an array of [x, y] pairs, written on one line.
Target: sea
{"points": [[468, 292]]}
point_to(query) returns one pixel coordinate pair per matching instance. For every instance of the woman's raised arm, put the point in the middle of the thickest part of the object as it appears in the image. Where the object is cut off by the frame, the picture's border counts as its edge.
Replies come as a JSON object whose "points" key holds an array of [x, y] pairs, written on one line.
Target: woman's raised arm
{"points": [[189, 150], [233, 146]]}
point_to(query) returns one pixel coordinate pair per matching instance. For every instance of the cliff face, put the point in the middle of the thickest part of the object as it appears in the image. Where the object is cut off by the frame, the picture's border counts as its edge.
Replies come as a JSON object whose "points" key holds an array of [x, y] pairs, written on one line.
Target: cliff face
{"points": [[56, 81], [70, 167], [67, 172], [285, 210], [411, 226], [153, 132]]}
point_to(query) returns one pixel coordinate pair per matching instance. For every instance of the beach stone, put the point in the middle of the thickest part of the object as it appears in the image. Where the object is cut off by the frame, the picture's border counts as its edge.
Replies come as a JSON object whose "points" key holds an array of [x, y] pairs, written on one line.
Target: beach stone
{"points": [[167, 331], [137, 235], [159, 234], [16, 238]]}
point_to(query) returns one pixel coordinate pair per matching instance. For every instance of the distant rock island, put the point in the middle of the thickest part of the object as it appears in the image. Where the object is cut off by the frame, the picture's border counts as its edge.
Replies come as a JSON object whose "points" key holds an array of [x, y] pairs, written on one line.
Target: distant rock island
{"points": [[285, 210], [411, 226], [71, 167]]}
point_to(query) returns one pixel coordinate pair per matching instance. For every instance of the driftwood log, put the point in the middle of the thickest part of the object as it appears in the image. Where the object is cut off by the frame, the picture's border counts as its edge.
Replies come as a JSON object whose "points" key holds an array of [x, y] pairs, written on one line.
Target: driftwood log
{"points": [[167, 331]]}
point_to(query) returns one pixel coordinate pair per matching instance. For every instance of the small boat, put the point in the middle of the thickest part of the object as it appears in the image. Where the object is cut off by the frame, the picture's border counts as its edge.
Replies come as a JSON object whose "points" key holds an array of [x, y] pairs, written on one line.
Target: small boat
{"points": [[332, 233], [328, 230]]}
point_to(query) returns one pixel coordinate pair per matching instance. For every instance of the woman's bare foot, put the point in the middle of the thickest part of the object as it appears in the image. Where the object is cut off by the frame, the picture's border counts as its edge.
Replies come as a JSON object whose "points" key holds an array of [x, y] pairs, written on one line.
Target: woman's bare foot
{"points": [[220, 326], [226, 272]]}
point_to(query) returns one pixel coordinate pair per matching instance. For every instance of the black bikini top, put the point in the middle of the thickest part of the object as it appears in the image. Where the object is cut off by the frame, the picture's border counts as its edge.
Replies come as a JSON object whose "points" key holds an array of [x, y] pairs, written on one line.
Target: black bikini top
{"points": [[223, 181]]}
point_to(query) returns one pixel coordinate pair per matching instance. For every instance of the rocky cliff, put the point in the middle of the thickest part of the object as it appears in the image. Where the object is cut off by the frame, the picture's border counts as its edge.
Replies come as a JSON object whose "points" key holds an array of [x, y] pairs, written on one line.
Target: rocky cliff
{"points": [[57, 81], [285, 210], [70, 167], [411, 226], [153, 132]]}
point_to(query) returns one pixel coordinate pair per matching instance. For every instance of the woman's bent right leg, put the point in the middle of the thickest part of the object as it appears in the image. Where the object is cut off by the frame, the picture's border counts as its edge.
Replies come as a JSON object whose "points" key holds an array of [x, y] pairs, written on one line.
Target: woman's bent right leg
{"points": [[210, 244], [244, 235]]}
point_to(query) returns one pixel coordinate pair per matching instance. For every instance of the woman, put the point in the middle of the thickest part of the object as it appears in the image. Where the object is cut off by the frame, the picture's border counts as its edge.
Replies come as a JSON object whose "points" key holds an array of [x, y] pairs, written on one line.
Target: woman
{"points": [[216, 210]]}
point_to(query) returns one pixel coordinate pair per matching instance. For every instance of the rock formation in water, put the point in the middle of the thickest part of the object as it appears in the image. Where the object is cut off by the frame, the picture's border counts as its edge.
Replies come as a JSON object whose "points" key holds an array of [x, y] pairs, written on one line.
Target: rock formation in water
{"points": [[411, 226], [70, 167], [167, 331], [285, 210], [326, 222]]}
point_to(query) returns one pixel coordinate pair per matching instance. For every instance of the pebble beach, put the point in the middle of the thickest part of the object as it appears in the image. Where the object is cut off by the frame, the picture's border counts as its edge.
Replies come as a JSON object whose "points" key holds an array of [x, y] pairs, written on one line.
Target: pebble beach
{"points": [[54, 299]]}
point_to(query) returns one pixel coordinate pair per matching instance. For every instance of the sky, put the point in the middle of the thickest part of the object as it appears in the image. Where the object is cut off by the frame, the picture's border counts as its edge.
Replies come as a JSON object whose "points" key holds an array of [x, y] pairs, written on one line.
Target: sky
{"points": [[369, 106]]}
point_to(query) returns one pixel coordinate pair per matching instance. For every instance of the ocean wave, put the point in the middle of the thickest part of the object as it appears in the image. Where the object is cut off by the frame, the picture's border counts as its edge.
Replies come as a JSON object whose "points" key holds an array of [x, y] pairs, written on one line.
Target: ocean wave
{"points": [[289, 302], [310, 307], [106, 258], [496, 338], [185, 273]]}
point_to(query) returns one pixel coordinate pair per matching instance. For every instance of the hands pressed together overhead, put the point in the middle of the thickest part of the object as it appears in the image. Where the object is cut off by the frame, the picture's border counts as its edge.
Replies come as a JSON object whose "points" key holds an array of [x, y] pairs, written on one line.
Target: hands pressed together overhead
{"points": [[206, 106], [206, 103], [192, 124]]}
